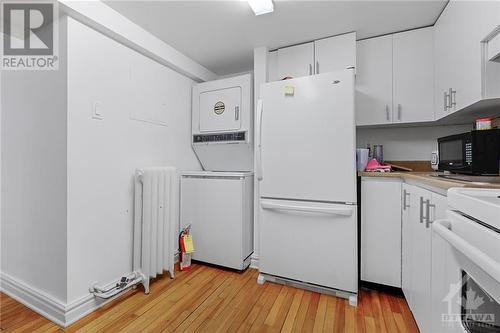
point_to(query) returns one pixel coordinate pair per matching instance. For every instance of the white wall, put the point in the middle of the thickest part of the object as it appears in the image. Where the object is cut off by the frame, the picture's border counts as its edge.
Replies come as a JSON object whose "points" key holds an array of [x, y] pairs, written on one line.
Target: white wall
{"points": [[33, 220], [105, 19], [409, 143], [103, 154]]}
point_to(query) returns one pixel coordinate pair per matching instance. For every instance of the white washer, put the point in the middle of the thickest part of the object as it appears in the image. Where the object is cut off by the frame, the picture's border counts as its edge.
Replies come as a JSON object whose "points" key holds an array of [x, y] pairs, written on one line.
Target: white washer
{"points": [[219, 207]]}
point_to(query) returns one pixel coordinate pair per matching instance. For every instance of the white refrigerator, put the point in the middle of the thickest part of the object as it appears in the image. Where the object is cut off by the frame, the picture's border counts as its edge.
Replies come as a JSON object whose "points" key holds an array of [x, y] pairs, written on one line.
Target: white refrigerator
{"points": [[306, 166]]}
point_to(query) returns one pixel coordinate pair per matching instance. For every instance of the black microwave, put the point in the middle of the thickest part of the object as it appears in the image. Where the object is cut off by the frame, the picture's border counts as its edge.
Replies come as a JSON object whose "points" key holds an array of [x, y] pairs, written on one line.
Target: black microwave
{"points": [[475, 153]]}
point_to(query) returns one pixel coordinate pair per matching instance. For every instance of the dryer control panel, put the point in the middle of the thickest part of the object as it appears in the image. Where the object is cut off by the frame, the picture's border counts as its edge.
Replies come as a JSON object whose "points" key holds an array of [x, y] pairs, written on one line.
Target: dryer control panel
{"points": [[237, 136]]}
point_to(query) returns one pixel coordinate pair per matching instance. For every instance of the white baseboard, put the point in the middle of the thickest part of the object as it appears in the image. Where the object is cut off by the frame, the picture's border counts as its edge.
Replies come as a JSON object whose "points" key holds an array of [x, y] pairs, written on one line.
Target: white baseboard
{"points": [[38, 301], [50, 307], [82, 307], [254, 261]]}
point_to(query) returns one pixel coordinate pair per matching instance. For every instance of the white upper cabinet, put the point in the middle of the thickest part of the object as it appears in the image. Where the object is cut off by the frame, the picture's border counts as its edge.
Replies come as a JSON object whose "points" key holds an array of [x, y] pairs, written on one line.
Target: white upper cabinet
{"points": [[296, 60], [335, 53], [413, 76], [374, 81], [395, 78], [321, 56], [457, 53]]}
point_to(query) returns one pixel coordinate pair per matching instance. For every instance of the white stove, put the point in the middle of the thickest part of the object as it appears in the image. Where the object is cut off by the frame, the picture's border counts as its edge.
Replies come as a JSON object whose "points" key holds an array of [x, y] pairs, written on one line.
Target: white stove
{"points": [[481, 204], [469, 261]]}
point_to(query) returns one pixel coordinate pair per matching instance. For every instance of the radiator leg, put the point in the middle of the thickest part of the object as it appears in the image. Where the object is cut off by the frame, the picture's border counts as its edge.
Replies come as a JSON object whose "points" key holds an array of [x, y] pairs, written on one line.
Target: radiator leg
{"points": [[145, 283], [171, 273]]}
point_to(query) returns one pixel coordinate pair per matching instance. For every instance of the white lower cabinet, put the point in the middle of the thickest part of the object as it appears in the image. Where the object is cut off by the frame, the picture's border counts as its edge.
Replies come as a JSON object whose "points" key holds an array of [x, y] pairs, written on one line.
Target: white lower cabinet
{"points": [[397, 243], [381, 231], [420, 208]]}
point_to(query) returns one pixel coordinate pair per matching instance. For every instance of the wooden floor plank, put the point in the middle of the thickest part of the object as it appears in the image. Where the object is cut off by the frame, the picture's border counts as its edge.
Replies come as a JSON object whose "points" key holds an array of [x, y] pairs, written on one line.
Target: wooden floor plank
{"points": [[319, 320], [232, 305], [206, 309], [331, 308], [269, 300], [209, 299], [245, 307], [377, 312], [407, 315], [390, 323], [350, 323], [154, 318], [360, 322], [277, 315], [301, 316], [292, 312], [340, 316], [311, 313], [213, 322]]}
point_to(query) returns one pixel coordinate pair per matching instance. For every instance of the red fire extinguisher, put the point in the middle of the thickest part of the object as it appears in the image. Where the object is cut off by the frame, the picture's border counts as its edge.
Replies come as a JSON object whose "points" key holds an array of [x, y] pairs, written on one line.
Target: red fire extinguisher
{"points": [[186, 248]]}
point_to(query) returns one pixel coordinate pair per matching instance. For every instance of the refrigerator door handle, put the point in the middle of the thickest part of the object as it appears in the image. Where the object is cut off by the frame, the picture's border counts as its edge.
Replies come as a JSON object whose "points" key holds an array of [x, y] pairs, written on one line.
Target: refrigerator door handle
{"points": [[259, 144], [343, 211]]}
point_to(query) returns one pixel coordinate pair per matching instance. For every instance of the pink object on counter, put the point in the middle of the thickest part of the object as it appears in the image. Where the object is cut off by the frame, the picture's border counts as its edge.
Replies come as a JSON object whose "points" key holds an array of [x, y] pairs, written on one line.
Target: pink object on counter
{"points": [[374, 165]]}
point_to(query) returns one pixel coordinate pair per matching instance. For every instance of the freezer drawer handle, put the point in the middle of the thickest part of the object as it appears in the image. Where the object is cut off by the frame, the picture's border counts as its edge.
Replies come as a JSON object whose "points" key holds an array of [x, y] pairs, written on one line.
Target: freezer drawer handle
{"points": [[308, 209], [444, 229]]}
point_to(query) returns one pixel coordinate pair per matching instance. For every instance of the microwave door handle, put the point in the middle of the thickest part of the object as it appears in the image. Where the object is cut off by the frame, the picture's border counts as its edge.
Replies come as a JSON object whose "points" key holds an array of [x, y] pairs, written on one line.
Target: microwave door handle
{"points": [[444, 229]]}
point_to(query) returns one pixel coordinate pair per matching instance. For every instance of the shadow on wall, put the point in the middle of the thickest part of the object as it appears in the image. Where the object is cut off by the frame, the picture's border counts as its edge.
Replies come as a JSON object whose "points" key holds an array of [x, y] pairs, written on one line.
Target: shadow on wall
{"points": [[409, 143]]}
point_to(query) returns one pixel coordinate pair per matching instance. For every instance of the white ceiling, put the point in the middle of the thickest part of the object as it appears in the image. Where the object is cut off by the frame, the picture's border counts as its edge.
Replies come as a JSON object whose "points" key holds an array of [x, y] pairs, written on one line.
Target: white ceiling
{"points": [[221, 35]]}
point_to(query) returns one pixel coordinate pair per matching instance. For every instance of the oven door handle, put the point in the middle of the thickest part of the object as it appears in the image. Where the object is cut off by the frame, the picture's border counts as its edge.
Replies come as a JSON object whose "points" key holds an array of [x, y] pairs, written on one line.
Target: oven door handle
{"points": [[487, 264]]}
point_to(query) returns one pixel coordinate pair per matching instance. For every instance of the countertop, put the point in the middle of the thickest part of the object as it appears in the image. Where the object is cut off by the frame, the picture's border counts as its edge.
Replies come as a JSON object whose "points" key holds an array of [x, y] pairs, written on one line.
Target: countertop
{"points": [[430, 179]]}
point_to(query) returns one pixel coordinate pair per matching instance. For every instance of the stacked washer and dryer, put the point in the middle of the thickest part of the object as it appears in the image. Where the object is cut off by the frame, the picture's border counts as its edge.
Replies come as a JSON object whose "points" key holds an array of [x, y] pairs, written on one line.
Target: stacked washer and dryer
{"points": [[218, 201]]}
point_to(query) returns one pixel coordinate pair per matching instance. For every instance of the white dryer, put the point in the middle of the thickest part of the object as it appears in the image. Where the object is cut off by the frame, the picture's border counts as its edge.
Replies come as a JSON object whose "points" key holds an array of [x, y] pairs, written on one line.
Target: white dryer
{"points": [[222, 124]]}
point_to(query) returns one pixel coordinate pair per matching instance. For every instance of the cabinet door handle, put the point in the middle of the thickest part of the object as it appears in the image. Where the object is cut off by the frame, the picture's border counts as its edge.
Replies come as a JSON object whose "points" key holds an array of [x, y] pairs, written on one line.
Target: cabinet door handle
{"points": [[317, 67], [236, 113], [310, 69], [445, 101], [399, 111], [404, 199], [405, 202], [422, 202], [428, 206], [453, 98], [387, 112]]}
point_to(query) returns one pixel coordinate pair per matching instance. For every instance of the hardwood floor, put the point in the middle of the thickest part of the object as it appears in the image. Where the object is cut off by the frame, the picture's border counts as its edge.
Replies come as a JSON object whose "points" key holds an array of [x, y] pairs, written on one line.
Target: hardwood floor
{"points": [[208, 299]]}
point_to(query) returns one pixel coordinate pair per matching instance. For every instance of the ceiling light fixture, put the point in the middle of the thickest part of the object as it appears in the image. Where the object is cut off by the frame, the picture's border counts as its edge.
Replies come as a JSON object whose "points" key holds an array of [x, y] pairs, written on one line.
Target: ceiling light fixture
{"points": [[260, 7]]}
